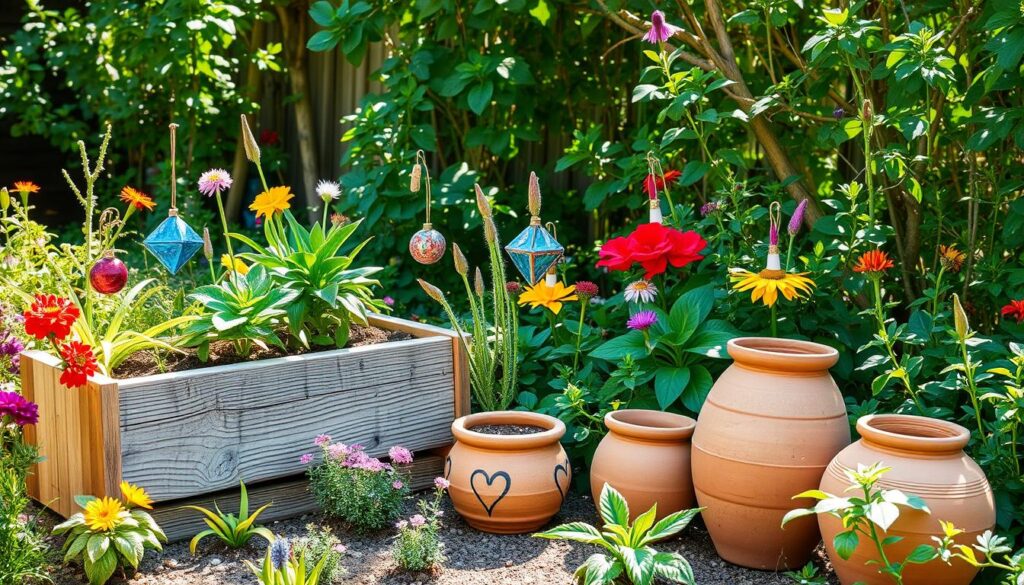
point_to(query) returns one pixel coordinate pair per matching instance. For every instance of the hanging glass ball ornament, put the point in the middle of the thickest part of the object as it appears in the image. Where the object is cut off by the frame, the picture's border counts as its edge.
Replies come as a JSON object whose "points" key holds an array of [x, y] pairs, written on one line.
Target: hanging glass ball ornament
{"points": [[427, 246], [108, 275]]}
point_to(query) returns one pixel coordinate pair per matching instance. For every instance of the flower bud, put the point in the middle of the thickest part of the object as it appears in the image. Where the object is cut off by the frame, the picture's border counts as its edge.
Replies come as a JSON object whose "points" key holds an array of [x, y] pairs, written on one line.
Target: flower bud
{"points": [[534, 194], [490, 230], [431, 290], [481, 202], [414, 178], [478, 283], [867, 112], [461, 265], [207, 244], [798, 218], [5, 199], [252, 148], [960, 318]]}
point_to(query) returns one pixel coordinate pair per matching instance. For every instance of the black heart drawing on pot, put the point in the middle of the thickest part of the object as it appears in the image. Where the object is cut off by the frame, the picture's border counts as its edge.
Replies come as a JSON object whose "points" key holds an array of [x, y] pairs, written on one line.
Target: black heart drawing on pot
{"points": [[490, 481], [447, 467], [564, 469]]}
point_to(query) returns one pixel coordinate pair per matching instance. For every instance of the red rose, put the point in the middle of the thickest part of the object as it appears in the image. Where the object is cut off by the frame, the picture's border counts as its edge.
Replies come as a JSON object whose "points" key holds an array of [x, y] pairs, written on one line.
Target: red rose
{"points": [[616, 254], [1015, 309], [50, 315], [79, 364], [654, 184], [654, 246]]}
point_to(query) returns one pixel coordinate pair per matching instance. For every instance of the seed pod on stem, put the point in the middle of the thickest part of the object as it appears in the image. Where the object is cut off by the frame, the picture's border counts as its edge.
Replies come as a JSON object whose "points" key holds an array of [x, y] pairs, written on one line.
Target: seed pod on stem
{"points": [[252, 148], [461, 265], [431, 290], [481, 202], [207, 244], [478, 283]]}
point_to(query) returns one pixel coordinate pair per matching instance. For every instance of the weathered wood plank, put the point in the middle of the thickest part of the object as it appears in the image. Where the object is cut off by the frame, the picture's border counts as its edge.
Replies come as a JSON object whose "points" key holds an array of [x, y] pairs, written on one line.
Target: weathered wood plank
{"points": [[198, 431], [290, 497]]}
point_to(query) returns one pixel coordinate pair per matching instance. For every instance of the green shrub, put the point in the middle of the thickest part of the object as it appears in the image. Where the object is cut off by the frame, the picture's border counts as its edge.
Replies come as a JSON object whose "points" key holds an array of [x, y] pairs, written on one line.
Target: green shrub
{"points": [[358, 489]]}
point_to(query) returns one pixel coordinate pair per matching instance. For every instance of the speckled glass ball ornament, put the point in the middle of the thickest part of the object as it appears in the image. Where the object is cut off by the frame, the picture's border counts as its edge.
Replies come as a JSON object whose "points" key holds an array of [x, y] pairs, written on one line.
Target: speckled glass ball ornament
{"points": [[427, 246], [108, 275]]}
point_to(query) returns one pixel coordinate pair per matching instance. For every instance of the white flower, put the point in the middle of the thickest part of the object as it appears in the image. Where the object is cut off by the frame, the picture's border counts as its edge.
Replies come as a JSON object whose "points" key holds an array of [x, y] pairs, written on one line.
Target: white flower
{"points": [[642, 290], [328, 190]]}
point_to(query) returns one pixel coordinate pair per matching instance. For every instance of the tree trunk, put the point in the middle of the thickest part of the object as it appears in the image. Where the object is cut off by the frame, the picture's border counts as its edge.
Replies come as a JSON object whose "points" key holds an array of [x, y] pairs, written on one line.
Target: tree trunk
{"points": [[252, 91], [298, 78]]}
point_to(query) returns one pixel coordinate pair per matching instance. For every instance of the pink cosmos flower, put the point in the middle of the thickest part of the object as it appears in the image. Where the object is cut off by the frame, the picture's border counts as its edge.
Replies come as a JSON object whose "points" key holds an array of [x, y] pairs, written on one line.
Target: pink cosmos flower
{"points": [[660, 30], [321, 440], [213, 181], [397, 484], [306, 459], [441, 483], [417, 521], [400, 455]]}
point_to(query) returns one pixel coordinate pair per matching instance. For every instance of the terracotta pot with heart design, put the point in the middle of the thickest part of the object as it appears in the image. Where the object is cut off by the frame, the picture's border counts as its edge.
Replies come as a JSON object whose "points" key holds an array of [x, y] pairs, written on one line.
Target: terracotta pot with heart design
{"points": [[508, 472]]}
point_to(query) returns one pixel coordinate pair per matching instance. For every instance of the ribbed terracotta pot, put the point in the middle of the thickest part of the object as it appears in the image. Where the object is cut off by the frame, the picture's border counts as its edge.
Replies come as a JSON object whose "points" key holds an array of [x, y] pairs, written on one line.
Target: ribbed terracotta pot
{"points": [[646, 457], [927, 460], [770, 425], [508, 484]]}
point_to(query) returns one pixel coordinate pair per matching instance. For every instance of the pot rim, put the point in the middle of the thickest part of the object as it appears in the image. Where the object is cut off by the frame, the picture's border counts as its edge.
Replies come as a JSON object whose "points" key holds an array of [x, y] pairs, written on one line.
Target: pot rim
{"points": [[657, 426], [783, 355], [913, 433], [461, 429]]}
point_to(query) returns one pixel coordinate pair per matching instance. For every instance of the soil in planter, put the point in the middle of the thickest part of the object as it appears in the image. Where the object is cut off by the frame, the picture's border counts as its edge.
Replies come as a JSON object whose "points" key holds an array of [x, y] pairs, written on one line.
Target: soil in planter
{"points": [[145, 363], [507, 429]]}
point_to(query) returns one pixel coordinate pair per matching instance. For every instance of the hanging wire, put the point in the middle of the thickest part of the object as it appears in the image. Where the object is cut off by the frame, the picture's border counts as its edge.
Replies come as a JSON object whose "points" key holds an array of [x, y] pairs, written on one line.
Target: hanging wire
{"points": [[174, 180], [421, 159]]}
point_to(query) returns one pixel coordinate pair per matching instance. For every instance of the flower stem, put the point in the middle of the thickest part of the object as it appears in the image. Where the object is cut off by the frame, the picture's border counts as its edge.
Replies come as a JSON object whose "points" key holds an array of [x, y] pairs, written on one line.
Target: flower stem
{"points": [[579, 335], [227, 234], [775, 321], [938, 288]]}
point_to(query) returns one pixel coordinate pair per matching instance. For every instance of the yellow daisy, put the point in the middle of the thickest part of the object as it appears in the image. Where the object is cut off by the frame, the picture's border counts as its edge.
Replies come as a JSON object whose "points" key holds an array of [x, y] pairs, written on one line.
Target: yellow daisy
{"points": [[766, 285], [103, 514], [549, 297], [271, 201], [239, 266], [135, 496]]}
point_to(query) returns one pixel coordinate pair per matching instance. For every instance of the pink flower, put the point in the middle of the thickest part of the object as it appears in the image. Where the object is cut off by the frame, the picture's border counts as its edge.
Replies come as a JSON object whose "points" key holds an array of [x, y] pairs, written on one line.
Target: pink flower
{"points": [[401, 525], [340, 548], [321, 440], [400, 455], [660, 30], [338, 451], [306, 459], [389, 301], [397, 484], [213, 181], [642, 321], [417, 521], [441, 483]]}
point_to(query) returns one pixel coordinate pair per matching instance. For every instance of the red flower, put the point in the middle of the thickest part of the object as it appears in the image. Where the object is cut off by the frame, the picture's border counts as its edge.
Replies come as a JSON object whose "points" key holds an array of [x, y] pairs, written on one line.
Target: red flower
{"points": [[269, 137], [654, 184], [79, 364], [654, 246], [873, 263], [1015, 309], [50, 315]]}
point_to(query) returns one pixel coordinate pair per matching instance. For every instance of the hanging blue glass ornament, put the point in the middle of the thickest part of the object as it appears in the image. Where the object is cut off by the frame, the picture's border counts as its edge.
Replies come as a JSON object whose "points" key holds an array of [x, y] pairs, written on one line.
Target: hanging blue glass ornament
{"points": [[534, 250], [173, 242]]}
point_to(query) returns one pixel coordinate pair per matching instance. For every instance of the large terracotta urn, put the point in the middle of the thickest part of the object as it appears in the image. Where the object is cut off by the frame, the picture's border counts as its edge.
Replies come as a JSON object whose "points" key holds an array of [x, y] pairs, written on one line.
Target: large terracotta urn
{"points": [[770, 425], [927, 460], [646, 457], [508, 483]]}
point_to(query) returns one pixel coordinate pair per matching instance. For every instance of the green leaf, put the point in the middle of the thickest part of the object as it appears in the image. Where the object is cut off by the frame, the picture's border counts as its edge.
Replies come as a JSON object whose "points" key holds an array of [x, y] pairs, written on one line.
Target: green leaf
{"points": [[613, 507], [574, 531], [641, 525], [693, 171], [797, 513], [670, 525], [99, 572], [922, 554], [322, 13], [696, 392], [480, 96], [845, 543], [613, 350], [97, 547], [323, 40], [688, 312], [669, 384]]}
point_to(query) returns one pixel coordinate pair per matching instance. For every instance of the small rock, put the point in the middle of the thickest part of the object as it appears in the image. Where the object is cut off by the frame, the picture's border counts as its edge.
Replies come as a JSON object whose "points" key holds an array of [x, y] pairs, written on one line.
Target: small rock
{"points": [[171, 563], [215, 561], [508, 564]]}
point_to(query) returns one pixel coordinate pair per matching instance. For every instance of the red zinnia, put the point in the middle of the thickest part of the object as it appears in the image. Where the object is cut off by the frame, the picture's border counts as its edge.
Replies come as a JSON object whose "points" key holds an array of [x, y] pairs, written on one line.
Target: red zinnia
{"points": [[50, 315], [1015, 309], [80, 364], [654, 246], [654, 184], [873, 262]]}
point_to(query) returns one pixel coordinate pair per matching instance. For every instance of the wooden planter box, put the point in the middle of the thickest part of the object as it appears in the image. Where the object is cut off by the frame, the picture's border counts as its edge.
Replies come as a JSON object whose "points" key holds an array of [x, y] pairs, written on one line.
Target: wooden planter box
{"points": [[185, 434]]}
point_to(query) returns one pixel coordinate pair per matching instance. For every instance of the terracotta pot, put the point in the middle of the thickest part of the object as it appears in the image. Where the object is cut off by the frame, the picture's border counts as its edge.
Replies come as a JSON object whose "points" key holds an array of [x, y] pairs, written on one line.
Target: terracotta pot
{"points": [[646, 457], [769, 427], [508, 484], [927, 460]]}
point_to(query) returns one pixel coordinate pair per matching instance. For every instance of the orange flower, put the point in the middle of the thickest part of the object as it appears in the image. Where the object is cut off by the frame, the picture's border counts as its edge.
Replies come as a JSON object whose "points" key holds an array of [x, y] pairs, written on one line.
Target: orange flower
{"points": [[137, 198], [873, 262], [25, 187], [271, 201], [951, 259]]}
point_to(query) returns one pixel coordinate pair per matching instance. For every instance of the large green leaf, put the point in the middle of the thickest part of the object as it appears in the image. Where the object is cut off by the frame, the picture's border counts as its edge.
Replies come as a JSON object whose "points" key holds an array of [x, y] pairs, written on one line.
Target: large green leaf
{"points": [[688, 312], [696, 392], [669, 384], [613, 507], [613, 350]]}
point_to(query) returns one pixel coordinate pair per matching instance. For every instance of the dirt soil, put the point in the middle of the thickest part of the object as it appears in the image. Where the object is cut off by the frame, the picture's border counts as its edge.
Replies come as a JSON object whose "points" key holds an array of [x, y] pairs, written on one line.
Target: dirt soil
{"points": [[145, 363], [507, 429], [474, 558]]}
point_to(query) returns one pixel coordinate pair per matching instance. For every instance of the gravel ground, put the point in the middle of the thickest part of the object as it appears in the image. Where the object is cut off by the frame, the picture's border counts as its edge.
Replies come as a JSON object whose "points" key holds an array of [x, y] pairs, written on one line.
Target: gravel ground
{"points": [[474, 558]]}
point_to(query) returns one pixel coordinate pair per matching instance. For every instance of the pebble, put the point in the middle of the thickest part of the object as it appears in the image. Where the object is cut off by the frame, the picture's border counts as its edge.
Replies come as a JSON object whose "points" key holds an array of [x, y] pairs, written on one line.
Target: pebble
{"points": [[215, 561], [171, 563]]}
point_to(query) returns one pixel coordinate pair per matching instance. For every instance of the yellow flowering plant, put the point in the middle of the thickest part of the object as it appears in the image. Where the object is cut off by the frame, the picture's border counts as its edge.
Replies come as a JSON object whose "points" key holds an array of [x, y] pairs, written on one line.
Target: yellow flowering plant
{"points": [[111, 532]]}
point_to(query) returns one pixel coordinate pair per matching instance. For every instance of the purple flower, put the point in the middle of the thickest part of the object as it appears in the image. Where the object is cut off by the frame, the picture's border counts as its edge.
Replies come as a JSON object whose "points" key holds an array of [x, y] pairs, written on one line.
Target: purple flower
{"points": [[400, 455], [660, 30], [441, 483], [417, 521], [389, 301], [306, 459], [213, 181], [838, 113], [20, 411], [642, 321], [322, 440], [280, 550], [798, 218], [709, 208], [397, 484]]}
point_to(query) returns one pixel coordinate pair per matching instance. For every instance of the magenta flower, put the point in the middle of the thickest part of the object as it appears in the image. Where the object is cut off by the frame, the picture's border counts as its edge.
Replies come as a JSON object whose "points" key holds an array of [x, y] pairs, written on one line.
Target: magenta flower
{"points": [[15, 408], [798, 218], [441, 483], [213, 181], [660, 30], [773, 235], [322, 440], [586, 289], [709, 208], [306, 459], [389, 301], [400, 455], [417, 521], [642, 321], [397, 484]]}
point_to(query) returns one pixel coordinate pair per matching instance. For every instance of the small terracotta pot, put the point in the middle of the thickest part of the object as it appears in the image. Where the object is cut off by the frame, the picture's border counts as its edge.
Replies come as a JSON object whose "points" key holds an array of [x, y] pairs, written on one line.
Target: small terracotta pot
{"points": [[927, 460], [769, 427], [646, 457], [508, 484]]}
